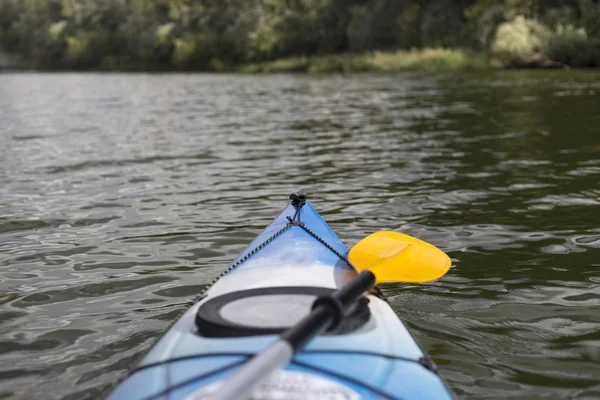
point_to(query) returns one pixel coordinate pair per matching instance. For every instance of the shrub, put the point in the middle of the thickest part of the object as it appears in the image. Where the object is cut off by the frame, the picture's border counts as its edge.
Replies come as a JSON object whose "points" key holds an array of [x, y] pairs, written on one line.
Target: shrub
{"points": [[519, 38], [77, 50], [184, 52], [86, 49], [56, 32], [164, 34], [573, 47]]}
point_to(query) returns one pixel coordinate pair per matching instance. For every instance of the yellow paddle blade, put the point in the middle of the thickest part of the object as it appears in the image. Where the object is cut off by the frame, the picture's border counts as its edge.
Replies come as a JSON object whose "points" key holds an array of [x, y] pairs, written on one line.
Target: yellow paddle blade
{"points": [[396, 257]]}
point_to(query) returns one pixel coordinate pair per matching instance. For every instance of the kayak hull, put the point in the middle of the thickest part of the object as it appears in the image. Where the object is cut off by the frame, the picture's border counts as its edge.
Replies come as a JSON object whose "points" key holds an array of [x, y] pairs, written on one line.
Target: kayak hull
{"points": [[379, 360]]}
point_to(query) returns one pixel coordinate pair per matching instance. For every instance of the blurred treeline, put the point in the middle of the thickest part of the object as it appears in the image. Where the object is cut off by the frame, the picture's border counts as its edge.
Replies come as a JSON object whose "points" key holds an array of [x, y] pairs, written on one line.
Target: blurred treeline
{"points": [[222, 34]]}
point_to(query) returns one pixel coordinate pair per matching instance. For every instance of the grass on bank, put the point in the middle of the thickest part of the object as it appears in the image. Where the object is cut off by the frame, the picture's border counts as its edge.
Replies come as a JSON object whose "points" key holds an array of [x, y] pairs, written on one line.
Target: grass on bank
{"points": [[431, 60]]}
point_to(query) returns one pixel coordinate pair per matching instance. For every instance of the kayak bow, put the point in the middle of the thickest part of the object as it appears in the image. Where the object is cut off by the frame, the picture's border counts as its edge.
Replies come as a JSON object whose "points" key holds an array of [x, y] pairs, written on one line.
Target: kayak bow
{"points": [[367, 354]]}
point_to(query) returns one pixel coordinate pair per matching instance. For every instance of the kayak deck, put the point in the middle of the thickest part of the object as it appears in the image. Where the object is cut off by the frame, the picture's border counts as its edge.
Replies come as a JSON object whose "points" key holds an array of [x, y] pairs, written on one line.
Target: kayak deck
{"points": [[378, 360]]}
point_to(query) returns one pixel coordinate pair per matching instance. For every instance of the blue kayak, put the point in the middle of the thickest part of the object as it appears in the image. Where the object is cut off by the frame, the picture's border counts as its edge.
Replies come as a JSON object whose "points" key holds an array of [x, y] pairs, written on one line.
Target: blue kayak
{"points": [[268, 288]]}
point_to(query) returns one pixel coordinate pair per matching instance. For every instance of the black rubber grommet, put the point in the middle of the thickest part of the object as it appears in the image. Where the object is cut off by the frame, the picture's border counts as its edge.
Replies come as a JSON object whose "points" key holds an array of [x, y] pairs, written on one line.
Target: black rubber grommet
{"points": [[335, 305]]}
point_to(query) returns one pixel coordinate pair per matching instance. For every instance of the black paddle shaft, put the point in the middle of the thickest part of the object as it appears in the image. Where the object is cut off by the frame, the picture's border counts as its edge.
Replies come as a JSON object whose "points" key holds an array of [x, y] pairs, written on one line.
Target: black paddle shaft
{"points": [[328, 311]]}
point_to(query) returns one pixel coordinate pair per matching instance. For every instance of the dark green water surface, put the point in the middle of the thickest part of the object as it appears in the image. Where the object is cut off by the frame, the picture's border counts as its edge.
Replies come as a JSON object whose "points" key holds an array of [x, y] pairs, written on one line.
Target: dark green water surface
{"points": [[122, 195]]}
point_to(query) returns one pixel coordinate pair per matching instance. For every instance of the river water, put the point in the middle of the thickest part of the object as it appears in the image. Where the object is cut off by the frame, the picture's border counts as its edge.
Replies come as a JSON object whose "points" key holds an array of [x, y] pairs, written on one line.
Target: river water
{"points": [[122, 195]]}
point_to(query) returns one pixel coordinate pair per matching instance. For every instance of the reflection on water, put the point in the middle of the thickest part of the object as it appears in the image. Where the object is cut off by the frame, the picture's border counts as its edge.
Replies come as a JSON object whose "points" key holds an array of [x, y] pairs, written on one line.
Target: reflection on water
{"points": [[122, 195]]}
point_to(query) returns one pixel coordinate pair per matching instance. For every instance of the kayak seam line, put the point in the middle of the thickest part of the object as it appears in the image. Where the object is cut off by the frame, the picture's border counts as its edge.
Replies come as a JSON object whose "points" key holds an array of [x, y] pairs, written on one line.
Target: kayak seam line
{"points": [[361, 353], [248, 355], [191, 357]]}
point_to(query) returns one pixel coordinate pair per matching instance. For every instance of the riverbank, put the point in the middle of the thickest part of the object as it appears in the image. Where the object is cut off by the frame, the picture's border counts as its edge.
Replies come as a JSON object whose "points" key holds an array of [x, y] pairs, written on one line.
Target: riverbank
{"points": [[424, 60], [430, 60]]}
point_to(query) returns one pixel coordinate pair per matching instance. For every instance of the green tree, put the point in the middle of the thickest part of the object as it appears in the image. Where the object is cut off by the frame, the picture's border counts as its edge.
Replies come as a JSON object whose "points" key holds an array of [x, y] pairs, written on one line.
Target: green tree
{"points": [[219, 34]]}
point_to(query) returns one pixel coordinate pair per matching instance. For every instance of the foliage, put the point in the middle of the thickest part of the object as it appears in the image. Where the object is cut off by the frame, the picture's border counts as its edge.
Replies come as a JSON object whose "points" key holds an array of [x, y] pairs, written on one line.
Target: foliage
{"points": [[442, 24], [407, 23], [590, 17], [485, 16], [573, 47], [519, 37], [317, 34]]}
